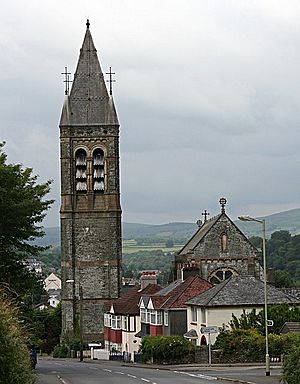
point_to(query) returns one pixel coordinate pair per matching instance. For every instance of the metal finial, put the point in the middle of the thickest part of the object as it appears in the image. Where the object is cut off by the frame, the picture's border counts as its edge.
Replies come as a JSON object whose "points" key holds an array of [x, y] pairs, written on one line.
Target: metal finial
{"points": [[205, 214], [88, 23], [67, 80], [110, 80], [223, 202]]}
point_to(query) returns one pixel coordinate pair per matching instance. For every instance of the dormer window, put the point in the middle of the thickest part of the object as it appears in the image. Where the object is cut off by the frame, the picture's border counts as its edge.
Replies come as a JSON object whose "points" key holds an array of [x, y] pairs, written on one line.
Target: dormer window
{"points": [[98, 170], [80, 170]]}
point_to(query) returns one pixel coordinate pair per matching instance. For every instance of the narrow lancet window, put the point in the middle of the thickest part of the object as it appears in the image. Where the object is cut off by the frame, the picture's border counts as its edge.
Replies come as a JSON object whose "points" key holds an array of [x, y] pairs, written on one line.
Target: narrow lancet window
{"points": [[224, 242], [80, 170], [98, 170]]}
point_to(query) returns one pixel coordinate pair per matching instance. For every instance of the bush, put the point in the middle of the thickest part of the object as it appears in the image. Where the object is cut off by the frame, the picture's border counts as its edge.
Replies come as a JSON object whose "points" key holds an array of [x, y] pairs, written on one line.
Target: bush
{"points": [[249, 341], [167, 350], [291, 361], [14, 355], [61, 351]]}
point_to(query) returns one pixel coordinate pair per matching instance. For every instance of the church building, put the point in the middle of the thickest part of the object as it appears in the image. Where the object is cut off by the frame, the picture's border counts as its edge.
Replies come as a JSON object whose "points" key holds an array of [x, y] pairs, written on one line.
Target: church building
{"points": [[218, 250], [90, 212]]}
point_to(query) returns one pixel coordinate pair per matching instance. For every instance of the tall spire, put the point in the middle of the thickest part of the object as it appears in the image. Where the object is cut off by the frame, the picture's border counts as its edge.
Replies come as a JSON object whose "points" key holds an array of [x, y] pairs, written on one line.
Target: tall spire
{"points": [[89, 102]]}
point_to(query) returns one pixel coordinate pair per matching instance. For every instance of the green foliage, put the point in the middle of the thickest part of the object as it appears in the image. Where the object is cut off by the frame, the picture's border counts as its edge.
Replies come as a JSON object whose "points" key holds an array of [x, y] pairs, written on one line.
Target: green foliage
{"points": [[283, 254], [133, 263], [291, 361], [241, 345], [45, 328], [61, 351], [14, 355], [167, 349], [279, 313], [22, 207], [248, 320]]}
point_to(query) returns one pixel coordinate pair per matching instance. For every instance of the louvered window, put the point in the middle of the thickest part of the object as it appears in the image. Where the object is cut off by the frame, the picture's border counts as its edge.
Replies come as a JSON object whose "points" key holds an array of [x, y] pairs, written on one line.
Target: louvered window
{"points": [[80, 170], [98, 171]]}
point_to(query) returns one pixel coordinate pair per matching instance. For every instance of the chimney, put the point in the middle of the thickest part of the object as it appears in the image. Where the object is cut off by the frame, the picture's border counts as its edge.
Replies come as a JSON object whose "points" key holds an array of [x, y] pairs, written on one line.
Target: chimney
{"points": [[148, 277], [190, 269]]}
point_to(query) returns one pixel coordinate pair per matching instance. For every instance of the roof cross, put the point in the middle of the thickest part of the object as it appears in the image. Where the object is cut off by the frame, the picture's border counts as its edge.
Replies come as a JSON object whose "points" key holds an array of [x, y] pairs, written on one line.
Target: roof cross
{"points": [[205, 214], [67, 80], [222, 202], [110, 81]]}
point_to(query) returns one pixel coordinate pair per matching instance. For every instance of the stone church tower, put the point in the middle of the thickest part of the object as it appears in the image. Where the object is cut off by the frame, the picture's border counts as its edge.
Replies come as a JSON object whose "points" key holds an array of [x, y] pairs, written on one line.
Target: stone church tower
{"points": [[90, 198], [217, 251]]}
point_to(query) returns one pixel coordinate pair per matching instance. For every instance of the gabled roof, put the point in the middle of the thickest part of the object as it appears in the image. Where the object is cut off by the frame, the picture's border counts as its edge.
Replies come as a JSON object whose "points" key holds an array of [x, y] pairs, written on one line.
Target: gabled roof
{"points": [[292, 326], [241, 290], [175, 295], [89, 102], [198, 236], [128, 303], [205, 229]]}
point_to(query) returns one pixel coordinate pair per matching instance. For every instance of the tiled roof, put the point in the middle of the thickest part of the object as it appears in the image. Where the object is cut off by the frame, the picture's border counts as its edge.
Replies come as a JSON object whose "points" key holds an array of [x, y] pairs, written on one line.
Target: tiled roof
{"points": [[292, 326], [128, 303], [177, 293], [241, 290]]}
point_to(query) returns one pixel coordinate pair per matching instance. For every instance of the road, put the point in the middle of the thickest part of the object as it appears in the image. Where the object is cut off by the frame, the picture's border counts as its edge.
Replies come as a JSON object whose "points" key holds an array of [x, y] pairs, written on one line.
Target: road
{"points": [[58, 371]]}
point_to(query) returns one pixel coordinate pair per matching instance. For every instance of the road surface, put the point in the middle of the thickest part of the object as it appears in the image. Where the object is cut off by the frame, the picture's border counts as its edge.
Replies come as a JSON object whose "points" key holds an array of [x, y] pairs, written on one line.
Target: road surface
{"points": [[59, 371]]}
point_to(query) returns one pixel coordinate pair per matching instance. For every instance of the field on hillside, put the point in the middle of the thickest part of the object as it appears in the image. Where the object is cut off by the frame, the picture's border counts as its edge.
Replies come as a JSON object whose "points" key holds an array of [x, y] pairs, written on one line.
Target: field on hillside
{"points": [[131, 246]]}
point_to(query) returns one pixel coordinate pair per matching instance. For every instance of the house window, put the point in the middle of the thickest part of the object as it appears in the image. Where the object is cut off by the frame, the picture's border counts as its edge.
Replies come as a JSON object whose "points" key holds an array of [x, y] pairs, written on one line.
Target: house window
{"points": [[115, 322], [80, 170], [148, 314], [158, 318], [166, 318], [98, 170], [153, 317], [194, 314], [107, 320], [143, 315], [126, 323], [203, 317], [224, 242]]}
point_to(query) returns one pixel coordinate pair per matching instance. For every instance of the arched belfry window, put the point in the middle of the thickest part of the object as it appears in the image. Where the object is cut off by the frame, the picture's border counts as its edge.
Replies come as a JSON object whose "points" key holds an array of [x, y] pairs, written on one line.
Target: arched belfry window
{"points": [[80, 170], [224, 242], [98, 170]]}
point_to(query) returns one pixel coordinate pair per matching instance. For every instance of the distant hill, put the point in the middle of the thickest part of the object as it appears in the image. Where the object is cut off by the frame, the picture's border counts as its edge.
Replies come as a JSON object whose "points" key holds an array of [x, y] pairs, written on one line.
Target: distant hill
{"points": [[288, 220]]}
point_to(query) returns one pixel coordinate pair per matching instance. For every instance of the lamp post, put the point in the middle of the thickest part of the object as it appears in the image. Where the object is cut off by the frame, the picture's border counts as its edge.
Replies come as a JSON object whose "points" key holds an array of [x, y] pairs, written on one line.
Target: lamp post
{"points": [[80, 318], [263, 223]]}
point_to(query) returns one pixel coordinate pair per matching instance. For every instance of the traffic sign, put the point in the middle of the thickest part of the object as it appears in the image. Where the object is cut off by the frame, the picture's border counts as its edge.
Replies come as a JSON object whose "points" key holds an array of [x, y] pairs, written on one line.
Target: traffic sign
{"points": [[211, 329]]}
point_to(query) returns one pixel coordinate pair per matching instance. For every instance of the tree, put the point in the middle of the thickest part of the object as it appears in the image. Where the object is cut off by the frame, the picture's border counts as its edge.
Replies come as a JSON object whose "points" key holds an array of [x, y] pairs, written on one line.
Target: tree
{"points": [[14, 354], [22, 208]]}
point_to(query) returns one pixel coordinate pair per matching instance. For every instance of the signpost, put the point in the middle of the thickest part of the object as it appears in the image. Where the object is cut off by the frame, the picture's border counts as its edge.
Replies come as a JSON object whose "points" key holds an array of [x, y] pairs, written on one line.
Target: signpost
{"points": [[209, 330]]}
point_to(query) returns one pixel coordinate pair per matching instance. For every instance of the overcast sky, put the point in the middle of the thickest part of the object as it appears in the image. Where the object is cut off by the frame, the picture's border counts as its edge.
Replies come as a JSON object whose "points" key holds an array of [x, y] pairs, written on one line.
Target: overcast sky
{"points": [[207, 94]]}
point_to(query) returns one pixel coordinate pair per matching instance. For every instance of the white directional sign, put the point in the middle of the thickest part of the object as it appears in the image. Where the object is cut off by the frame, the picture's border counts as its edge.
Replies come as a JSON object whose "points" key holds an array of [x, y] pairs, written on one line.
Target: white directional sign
{"points": [[211, 329]]}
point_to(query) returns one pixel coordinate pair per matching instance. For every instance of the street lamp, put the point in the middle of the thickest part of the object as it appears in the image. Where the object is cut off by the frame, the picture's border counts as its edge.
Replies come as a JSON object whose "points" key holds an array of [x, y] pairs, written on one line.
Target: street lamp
{"points": [[263, 223], [80, 317]]}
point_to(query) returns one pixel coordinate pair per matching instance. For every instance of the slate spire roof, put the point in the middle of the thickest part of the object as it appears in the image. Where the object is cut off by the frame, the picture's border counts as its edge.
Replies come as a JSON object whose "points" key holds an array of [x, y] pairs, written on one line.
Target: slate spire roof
{"points": [[89, 102]]}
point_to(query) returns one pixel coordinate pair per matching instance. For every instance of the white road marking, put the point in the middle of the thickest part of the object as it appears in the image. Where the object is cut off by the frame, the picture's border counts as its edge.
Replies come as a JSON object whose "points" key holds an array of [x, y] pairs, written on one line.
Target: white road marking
{"points": [[198, 375], [107, 370], [96, 369], [134, 377], [121, 373], [147, 381]]}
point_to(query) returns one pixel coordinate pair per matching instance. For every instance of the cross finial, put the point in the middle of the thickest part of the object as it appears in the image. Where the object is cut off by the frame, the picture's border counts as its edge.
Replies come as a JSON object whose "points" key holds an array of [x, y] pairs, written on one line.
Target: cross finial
{"points": [[205, 214], [222, 202], [110, 80], [67, 80], [88, 23]]}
